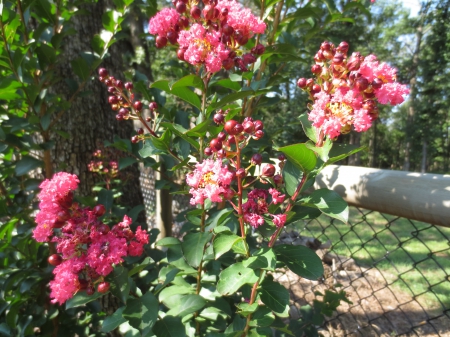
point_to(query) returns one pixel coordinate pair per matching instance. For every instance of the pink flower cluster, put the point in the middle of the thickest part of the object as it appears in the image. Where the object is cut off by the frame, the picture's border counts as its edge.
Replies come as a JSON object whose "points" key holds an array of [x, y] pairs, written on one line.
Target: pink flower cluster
{"points": [[256, 206], [346, 89], [210, 180], [87, 248], [209, 36]]}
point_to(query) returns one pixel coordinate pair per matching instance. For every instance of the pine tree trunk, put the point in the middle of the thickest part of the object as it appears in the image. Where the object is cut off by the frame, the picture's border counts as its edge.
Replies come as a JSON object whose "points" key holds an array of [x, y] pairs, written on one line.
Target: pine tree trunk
{"points": [[413, 87]]}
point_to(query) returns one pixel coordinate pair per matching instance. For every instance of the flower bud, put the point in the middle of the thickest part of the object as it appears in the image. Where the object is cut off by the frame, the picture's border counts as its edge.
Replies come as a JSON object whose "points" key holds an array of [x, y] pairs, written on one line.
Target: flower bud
{"points": [[325, 45], [222, 136], [208, 12], [55, 259], [183, 22], [258, 134], [227, 29], [248, 126], [161, 41], [256, 159], [248, 58], [196, 12], [362, 83], [338, 58], [129, 86], [258, 125], [240, 173], [227, 64], [268, 170], [301, 83], [315, 89], [343, 47], [215, 144], [354, 61], [180, 7], [103, 287], [316, 69], [277, 179], [180, 54], [229, 127], [113, 100], [219, 118], [208, 151], [103, 72], [221, 153], [172, 36], [137, 105], [281, 157], [259, 49], [99, 210], [377, 83]]}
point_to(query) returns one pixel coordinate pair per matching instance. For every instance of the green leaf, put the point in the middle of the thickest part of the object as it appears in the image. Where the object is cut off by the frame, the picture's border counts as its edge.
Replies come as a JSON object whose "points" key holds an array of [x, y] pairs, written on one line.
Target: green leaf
{"points": [[169, 326], [120, 286], [308, 128], [223, 242], [300, 213], [193, 246], [109, 20], [231, 98], [188, 305], [142, 312], [113, 321], [168, 241], [291, 177], [234, 277], [43, 9], [19, 54], [229, 84], [27, 164], [80, 68], [184, 93], [149, 149], [263, 258], [301, 260], [301, 156], [106, 198], [329, 203], [341, 151], [81, 298], [8, 89], [46, 56], [245, 309], [276, 297], [189, 81], [125, 162], [322, 151], [262, 317], [144, 264], [301, 13]]}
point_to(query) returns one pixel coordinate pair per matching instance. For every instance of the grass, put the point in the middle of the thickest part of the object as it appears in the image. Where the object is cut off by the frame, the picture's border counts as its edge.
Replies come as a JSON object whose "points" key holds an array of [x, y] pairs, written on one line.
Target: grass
{"points": [[413, 256]]}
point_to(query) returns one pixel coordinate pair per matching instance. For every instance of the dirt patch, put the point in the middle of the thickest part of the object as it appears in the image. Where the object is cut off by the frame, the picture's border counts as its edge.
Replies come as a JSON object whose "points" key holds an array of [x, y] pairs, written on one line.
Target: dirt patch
{"points": [[378, 309]]}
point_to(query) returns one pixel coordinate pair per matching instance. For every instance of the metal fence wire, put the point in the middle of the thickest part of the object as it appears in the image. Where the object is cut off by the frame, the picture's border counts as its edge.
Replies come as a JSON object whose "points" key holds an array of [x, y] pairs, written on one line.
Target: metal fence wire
{"points": [[395, 271]]}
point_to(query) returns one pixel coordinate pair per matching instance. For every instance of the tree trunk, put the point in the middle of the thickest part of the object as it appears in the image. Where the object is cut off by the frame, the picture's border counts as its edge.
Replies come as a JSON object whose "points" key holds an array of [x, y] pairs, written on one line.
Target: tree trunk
{"points": [[423, 166], [355, 159], [90, 120], [412, 84], [164, 207]]}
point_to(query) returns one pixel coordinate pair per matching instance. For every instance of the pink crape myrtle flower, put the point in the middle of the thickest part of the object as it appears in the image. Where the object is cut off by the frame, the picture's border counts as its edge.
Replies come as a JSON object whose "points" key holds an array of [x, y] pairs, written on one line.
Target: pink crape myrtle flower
{"points": [[66, 282], [210, 180], [241, 18], [279, 219], [55, 197], [277, 197], [390, 92], [106, 251], [202, 46], [163, 22]]}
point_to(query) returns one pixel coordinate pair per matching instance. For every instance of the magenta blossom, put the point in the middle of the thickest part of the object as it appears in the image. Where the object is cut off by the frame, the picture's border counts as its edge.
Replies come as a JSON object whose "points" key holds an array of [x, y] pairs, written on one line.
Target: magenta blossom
{"points": [[163, 22]]}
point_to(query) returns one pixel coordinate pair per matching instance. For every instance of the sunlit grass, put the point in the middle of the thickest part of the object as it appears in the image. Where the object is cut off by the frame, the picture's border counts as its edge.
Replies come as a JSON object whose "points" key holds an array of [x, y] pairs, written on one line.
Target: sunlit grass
{"points": [[413, 256]]}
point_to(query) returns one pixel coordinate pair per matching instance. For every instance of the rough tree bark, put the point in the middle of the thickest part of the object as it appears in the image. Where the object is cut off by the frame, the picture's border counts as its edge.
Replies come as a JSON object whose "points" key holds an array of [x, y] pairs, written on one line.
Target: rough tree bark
{"points": [[90, 120]]}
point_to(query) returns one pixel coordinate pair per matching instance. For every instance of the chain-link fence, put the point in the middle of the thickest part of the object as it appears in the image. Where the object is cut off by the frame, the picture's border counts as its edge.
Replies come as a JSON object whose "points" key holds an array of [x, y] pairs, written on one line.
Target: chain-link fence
{"points": [[395, 271]]}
